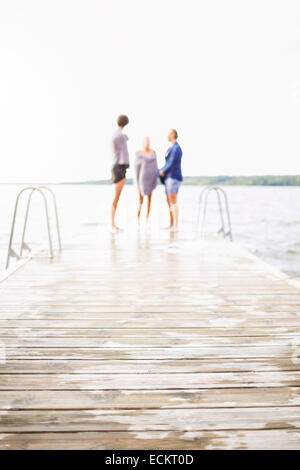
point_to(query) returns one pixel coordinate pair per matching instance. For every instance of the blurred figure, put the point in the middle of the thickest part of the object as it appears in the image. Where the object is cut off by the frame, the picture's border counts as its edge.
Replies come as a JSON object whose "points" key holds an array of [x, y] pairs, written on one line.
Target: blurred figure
{"points": [[120, 157], [146, 175], [171, 177]]}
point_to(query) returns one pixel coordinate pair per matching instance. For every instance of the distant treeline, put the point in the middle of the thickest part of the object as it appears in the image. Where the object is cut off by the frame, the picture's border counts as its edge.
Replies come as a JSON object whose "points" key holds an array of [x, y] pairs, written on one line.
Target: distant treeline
{"points": [[267, 180]]}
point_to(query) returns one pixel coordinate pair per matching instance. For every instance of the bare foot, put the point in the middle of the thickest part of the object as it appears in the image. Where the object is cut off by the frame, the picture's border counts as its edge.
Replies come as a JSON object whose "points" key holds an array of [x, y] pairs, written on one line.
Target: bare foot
{"points": [[116, 229]]}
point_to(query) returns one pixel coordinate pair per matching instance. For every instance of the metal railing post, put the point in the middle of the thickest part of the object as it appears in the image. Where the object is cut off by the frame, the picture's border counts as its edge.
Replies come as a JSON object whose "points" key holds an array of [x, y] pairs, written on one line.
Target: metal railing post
{"points": [[203, 200], [48, 223], [227, 212], [25, 222], [11, 252], [55, 212], [23, 246]]}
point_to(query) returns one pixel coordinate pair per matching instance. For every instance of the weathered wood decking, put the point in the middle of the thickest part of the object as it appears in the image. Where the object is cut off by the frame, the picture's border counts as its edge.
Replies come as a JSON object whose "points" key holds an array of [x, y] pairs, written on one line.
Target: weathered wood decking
{"points": [[148, 343]]}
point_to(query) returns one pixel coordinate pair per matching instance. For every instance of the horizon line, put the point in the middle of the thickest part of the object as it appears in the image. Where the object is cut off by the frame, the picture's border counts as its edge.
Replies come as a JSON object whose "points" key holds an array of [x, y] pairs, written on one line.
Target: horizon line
{"points": [[106, 180]]}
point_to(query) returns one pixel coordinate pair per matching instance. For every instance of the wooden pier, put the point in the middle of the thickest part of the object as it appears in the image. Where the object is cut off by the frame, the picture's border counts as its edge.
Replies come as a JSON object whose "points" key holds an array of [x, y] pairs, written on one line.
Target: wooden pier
{"points": [[149, 343]]}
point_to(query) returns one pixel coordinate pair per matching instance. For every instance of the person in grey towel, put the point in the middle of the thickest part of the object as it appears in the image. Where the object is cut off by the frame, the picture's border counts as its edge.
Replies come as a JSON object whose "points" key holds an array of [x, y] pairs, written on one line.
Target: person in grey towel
{"points": [[146, 170]]}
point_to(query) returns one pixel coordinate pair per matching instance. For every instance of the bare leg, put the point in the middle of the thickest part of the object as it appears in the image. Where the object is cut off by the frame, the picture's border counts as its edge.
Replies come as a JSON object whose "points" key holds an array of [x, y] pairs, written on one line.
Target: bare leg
{"points": [[141, 199], [174, 208], [169, 201], [118, 189], [148, 206]]}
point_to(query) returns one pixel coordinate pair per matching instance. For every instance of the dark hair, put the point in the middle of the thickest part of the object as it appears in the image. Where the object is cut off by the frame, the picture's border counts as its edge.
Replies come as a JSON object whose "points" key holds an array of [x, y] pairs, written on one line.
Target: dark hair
{"points": [[122, 120], [175, 133]]}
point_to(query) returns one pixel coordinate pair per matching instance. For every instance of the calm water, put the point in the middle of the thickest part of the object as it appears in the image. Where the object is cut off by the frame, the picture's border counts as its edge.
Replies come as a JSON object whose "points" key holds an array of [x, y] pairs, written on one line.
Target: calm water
{"points": [[266, 220]]}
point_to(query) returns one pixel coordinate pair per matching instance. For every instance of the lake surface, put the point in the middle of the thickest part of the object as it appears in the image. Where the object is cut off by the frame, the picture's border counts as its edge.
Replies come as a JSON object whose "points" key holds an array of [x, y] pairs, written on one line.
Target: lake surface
{"points": [[265, 220]]}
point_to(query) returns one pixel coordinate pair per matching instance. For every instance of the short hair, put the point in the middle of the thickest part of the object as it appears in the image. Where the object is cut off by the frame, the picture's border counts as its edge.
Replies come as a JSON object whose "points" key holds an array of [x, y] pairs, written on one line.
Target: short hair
{"points": [[122, 120], [175, 133]]}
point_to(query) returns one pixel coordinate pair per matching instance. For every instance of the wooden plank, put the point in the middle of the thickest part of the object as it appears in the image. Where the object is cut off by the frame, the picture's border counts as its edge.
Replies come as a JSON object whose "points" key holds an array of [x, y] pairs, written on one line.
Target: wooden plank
{"points": [[149, 420], [106, 292], [149, 399], [228, 352], [87, 303], [137, 308], [143, 321], [209, 281], [204, 287], [148, 381], [191, 333], [228, 296], [283, 439], [140, 366], [172, 340]]}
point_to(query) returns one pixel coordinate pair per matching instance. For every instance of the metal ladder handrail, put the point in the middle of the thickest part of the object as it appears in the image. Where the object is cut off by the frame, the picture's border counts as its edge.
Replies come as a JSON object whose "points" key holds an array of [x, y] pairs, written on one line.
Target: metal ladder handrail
{"points": [[40, 190], [204, 196], [55, 212]]}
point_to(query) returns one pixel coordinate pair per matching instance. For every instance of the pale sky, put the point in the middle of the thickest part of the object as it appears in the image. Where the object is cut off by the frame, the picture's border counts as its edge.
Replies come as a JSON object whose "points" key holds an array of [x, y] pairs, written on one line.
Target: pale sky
{"points": [[225, 74]]}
